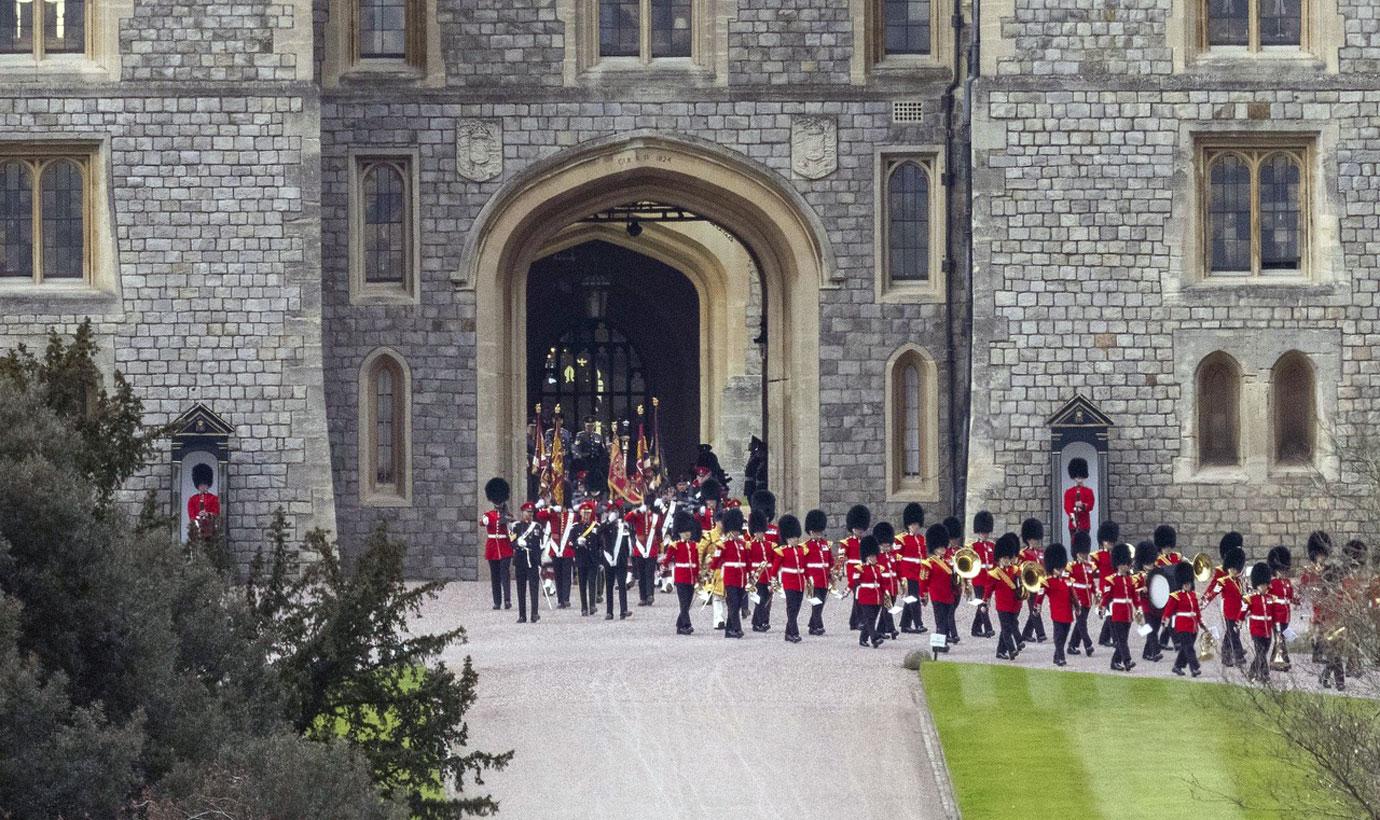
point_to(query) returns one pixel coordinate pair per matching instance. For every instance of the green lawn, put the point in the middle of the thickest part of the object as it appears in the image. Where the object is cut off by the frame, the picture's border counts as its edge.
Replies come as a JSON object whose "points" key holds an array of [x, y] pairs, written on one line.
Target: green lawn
{"points": [[1047, 743]]}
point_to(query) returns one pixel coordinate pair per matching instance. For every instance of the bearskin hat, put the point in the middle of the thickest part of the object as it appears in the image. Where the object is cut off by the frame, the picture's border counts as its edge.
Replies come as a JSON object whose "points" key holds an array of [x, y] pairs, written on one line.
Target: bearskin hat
{"points": [[1108, 532], [1260, 574], [936, 537], [732, 520], [1183, 574], [789, 527], [1146, 553], [496, 490], [1121, 555], [913, 514], [757, 522], [1319, 544], [1234, 558], [1082, 542], [765, 501], [1166, 538], [1008, 546], [1032, 530], [685, 522], [1056, 557], [815, 521], [1231, 539], [859, 517], [1279, 558], [884, 532], [709, 490], [867, 547], [204, 476], [954, 527], [1078, 468], [983, 523]]}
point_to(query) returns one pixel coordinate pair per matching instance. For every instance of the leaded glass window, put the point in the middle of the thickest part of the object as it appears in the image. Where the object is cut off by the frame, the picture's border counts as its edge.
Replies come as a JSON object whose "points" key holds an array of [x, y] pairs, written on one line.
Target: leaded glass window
{"points": [[908, 222], [43, 218], [1256, 217]]}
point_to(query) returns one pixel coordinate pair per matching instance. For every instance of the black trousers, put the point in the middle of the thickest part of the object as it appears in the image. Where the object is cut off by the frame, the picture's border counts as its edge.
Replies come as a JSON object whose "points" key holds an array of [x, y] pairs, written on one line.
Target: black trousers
{"points": [[1121, 635], [644, 573], [1104, 637], [589, 582], [761, 614], [562, 567], [1233, 653], [685, 593], [614, 577], [1080, 629], [817, 610], [982, 619], [1283, 644], [1034, 628], [733, 601], [855, 615], [1061, 637], [913, 614], [499, 581], [867, 617], [528, 583], [886, 625], [1010, 625], [794, 597], [944, 620], [1152, 641], [1188, 655], [1260, 663]]}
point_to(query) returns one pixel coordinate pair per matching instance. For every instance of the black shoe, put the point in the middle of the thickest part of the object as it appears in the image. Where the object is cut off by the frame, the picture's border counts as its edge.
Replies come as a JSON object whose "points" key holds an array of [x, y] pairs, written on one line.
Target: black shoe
{"points": [[1196, 672], [1061, 663], [507, 605], [535, 618], [721, 626], [865, 645], [1116, 667], [1107, 644], [522, 619], [816, 631], [624, 614], [608, 616], [1073, 650], [496, 607], [1020, 646], [1089, 651], [953, 639], [792, 639], [876, 642], [685, 630], [1041, 639], [1003, 656], [921, 629], [1176, 670], [1159, 656], [1130, 666]]}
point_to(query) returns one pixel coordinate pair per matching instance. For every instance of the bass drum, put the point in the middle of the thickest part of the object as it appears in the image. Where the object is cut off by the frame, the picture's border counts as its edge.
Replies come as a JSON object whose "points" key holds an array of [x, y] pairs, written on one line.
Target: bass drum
{"points": [[1159, 584]]}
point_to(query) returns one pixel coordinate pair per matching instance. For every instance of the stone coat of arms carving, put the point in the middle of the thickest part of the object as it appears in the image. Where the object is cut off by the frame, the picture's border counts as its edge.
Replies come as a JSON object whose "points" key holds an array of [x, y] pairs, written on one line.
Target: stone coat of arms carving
{"points": [[479, 149], [814, 146]]}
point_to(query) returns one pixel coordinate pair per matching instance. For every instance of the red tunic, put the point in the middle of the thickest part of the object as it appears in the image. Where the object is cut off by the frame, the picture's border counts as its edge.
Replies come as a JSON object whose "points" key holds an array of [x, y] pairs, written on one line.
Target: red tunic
{"points": [[560, 529], [1258, 614], [1081, 580], [940, 585], [644, 531], [818, 560], [760, 557], [867, 584], [732, 558], [704, 516], [1060, 594], [852, 551], [684, 557], [910, 556], [498, 543], [1168, 559], [1008, 591], [986, 555], [1182, 613], [1282, 599], [1122, 597], [890, 578], [1214, 587], [202, 510], [789, 565], [1103, 560], [1080, 518]]}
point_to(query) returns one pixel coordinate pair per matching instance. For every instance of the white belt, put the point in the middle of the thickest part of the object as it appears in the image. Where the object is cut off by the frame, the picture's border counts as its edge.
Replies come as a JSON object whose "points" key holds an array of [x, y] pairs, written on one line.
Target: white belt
{"points": [[498, 537], [912, 559], [1257, 617], [1121, 600], [791, 570], [733, 564], [853, 561], [867, 586], [1080, 586]]}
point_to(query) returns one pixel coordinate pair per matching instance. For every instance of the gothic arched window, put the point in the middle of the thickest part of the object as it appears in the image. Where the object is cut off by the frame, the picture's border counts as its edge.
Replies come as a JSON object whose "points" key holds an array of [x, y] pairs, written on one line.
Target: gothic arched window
{"points": [[1219, 411], [385, 428], [1292, 388]]}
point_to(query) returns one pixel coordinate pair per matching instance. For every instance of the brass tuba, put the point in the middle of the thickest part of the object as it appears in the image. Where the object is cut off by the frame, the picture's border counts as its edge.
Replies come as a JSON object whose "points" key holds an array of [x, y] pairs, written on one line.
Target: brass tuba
{"points": [[1207, 646], [1032, 578], [1202, 568]]}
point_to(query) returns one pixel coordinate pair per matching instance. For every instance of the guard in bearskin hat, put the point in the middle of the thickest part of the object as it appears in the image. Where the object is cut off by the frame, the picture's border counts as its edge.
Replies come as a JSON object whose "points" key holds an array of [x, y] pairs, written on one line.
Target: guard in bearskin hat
{"points": [[1145, 557], [1079, 499], [866, 584], [731, 559], [912, 559], [1083, 581], [1059, 593], [819, 560], [1108, 536], [1282, 600], [1033, 550], [761, 553], [1258, 617], [789, 568], [1121, 602], [1004, 586], [498, 545], [858, 520], [203, 508], [941, 583], [683, 556], [1232, 587], [985, 548], [1183, 617]]}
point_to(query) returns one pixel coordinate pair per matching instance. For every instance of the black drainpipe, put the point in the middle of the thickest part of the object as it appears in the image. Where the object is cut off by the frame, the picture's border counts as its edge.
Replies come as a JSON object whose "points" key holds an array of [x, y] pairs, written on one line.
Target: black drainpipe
{"points": [[974, 71], [956, 425]]}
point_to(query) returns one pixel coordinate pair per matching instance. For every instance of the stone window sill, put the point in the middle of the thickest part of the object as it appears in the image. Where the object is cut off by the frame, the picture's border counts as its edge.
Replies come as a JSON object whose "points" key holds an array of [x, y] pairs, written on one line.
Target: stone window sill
{"points": [[919, 293], [379, 499], [396, 71], [23, 68], [1282, 286], [57, 298], [632, 69], [923, 491], [384, 296], [1292, 472], [1220, 475]]}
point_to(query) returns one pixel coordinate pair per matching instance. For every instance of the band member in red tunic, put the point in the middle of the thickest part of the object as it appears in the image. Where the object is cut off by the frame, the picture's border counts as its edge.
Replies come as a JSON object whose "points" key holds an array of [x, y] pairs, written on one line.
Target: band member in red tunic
{"points": [[1121, 601], [1167, 546], [819, 559], [1258, 616], [1145, 557], [498, 543], [1082, 580], [560, 545], [1108, 536], [1232, 587], [203, 508], [789, 567], [942, 586], [910, 558], [891, 579], [1183, 615], [1079, 499], [1032, 539], [858, 521], [732, 560], [1059, 593], [1282, 599], [1005, 587], [866, 582], [760, 554], [985, 547], [642, 529], [684, 558]]}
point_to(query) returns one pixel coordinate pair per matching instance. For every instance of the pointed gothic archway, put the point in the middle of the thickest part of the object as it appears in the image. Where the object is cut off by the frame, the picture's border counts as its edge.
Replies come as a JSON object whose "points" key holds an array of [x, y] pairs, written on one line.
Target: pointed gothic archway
{"points": [[770, 219]]}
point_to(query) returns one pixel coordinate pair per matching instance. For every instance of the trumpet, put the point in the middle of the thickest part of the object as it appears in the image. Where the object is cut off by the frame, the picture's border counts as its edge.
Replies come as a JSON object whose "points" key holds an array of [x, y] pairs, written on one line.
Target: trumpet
{"points": [[1202, 568]]}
